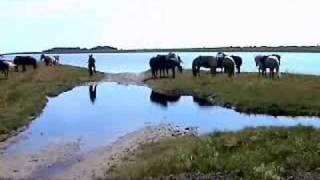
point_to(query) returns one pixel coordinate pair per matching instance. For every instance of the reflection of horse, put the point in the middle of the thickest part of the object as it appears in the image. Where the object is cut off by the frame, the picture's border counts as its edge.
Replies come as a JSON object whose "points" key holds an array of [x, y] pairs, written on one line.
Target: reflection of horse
{"points": [[201, 101], [93, 93], [163, 63], [210, 62], [23, 61], [4, 68], [163, 99]]}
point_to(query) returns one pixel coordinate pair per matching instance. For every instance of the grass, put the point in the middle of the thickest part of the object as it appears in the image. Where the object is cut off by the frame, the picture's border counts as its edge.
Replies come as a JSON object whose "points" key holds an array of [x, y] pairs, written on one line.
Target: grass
{"points": [[292, 95], [24, 95], [264, 153]]}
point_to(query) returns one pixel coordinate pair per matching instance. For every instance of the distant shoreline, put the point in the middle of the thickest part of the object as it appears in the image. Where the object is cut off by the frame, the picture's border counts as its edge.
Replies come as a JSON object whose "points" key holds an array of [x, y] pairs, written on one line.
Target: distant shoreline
{"points": [[292, 49]]}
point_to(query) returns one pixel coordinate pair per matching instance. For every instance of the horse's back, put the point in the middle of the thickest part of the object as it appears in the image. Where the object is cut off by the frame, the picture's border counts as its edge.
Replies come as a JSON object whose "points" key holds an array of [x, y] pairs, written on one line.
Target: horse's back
{"points": [[237, 60], [206, 61], [228, 60], [272, 62]]}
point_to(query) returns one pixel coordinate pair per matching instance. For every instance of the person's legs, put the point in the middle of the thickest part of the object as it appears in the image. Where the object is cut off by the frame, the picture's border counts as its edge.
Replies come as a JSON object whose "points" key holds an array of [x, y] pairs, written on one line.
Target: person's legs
{"points": [[94, 68]]}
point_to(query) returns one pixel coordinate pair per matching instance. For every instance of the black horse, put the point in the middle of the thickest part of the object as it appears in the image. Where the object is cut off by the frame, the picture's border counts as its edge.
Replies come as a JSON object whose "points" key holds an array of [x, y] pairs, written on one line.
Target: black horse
{"points": [[4, 68], [23, 61], [238, 62], [210, 62], [163, 99], [163, 63]]}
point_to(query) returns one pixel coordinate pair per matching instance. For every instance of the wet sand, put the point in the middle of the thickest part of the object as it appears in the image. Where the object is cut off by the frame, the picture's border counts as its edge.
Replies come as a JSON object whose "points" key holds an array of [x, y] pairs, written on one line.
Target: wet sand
{"points": [[65, 161]]}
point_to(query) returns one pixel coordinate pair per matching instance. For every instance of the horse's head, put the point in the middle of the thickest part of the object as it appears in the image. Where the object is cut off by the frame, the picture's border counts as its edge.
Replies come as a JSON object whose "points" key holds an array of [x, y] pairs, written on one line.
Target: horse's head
{"points": [[42, 57]]}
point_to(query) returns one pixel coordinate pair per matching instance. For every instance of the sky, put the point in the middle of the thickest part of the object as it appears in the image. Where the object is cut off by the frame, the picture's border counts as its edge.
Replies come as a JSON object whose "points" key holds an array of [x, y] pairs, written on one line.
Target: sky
{"points": [[34, 25]]}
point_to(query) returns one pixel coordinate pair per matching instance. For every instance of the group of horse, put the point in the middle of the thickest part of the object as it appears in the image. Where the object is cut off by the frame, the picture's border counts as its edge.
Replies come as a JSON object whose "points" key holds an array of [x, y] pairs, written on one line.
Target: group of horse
{"points": [[24, 61], [161, 64], [230, 64]]}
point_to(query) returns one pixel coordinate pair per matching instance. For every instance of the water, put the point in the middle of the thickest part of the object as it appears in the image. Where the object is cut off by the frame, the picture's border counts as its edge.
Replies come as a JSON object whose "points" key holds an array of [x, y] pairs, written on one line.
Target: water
{"points": [[301, 63], [99, 118]]}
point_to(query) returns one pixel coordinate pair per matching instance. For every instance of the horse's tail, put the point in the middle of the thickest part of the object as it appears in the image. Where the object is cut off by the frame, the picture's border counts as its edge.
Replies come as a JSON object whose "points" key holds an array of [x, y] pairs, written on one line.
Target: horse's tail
{"points": [[35, 64], [194, 69], [278, 69]]}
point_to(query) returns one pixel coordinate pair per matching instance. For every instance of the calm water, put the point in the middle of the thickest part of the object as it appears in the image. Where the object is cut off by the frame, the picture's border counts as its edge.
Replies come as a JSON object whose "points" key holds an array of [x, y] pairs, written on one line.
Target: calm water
{"points": [[96, 119], [302, 63]]}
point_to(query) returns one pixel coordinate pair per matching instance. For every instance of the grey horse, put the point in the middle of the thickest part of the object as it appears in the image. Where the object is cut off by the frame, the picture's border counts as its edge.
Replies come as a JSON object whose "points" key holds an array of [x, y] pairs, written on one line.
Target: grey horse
{"points": [[210, 62]]}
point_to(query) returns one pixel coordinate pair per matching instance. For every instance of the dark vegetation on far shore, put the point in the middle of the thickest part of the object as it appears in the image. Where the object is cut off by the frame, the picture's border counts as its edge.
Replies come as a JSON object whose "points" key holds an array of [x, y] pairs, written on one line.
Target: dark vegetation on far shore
{"points": [[291, 95], [263, 153], [24, 95], [110, 49]]}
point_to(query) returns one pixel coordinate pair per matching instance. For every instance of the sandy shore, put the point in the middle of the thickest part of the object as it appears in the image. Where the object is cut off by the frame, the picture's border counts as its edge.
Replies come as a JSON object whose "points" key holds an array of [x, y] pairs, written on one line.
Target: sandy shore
{"points": [[65, 161]]}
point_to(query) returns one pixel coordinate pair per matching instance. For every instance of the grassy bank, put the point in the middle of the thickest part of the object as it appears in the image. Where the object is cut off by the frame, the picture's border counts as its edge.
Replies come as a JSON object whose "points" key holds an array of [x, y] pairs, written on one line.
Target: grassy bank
{"points": [[265, 153], [290, 95], [23, 95]]}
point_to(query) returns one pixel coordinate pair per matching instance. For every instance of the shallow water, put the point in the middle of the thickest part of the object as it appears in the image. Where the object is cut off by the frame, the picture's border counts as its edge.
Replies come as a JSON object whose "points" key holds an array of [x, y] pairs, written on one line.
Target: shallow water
{"points": [[302, 63], [97, 119]]}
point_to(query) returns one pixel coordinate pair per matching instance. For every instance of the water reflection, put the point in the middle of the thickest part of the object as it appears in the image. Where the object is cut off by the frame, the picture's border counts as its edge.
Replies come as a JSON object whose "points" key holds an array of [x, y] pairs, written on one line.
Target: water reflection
{"points": [[162, 99], [93, 93], [202, 102], [124, 109]]}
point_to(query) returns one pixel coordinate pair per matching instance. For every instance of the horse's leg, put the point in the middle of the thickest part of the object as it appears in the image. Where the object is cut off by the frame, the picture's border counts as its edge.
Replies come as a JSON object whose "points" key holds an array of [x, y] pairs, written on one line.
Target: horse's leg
{"points": [[24, 69], [173, 72]]}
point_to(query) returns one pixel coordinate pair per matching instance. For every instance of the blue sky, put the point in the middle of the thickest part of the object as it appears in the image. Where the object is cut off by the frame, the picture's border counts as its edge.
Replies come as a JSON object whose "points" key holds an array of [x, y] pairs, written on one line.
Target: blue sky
{"points": [[33, 25]]}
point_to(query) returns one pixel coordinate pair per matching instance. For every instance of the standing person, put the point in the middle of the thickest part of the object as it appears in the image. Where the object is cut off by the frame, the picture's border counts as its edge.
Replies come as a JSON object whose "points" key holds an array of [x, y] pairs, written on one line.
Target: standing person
{"points": [[92, 65]]}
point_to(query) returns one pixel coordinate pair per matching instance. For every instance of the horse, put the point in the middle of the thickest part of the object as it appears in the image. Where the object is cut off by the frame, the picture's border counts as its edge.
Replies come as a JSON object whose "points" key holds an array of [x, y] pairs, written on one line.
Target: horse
{"points": [[273, 63], [4, 68], [47, 60], [260, 63], [23, 61], [238, 61], [229, 65], [154, 66], [206, 62], [220, 56], [56, 60], [172, 63], [164, 63]]}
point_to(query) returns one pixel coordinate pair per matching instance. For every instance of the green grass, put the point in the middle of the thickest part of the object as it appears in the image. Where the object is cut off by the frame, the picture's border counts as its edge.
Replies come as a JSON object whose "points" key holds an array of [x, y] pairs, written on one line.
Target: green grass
{"points": [[23, 95], [264, 153], [290, 95]]}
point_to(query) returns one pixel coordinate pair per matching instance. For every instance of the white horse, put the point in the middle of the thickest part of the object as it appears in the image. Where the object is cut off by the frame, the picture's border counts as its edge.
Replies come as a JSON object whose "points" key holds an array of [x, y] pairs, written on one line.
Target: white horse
{"points": [[229, 65], [273, 63]]}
